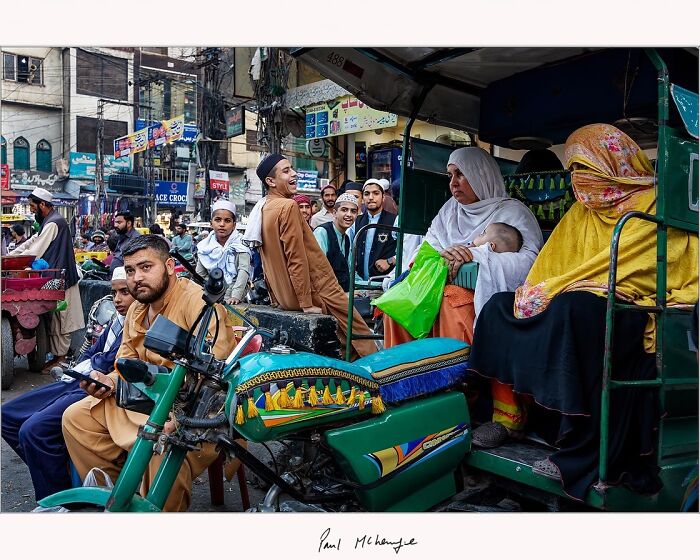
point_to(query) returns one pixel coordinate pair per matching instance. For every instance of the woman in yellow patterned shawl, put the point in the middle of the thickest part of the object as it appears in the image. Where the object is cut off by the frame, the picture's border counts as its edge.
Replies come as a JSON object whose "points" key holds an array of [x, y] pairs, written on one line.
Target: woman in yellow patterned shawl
{"points": [[555, 322]]}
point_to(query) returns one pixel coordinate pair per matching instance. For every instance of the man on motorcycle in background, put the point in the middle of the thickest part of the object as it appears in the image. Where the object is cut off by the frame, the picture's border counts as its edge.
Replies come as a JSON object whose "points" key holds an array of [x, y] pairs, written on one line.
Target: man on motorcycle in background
{"points": [[31, 423], [98, 433]]}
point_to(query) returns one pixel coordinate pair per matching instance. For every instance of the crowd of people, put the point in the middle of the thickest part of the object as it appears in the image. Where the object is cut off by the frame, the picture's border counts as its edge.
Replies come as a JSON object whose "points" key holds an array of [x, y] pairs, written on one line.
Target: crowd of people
{"points": [[547, 297]]}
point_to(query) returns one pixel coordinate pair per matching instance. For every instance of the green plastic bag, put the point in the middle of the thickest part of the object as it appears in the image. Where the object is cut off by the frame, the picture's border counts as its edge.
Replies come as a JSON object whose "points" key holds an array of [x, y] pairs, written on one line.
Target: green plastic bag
{"points": [[415, 302]]}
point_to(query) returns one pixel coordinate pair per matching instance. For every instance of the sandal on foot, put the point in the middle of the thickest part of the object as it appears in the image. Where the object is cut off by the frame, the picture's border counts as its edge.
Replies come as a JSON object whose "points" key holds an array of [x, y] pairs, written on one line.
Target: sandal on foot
{"points": [[491, 434], [545, 467]]}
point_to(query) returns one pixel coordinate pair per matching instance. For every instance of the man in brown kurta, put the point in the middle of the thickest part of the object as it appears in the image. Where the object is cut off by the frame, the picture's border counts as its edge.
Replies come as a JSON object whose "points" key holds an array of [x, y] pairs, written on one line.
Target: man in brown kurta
{"points": [[297, 273], [97, 432]]}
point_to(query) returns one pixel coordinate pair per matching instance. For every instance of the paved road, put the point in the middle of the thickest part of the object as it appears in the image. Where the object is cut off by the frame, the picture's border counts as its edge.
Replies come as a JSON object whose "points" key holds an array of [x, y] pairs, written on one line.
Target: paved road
{"points": [[16, 490]]}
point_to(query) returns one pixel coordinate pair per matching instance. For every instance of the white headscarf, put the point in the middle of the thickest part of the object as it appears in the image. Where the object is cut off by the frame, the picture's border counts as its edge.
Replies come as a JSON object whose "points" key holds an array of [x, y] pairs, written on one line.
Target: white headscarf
{"points": [[459, 224], [253, 230], [212, 255]]}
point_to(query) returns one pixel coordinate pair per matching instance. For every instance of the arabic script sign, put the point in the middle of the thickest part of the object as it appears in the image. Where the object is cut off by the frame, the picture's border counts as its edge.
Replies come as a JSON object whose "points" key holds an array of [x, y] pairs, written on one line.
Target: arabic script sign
{"points": [[344, 115], [34, 179]]}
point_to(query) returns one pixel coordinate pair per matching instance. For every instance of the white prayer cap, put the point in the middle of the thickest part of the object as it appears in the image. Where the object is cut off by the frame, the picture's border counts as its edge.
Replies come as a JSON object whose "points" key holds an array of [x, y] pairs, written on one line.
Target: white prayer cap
{"points": [[119, 273], [42, 194], [345, 197], [386, 185], [372, 182], [223, 204]]}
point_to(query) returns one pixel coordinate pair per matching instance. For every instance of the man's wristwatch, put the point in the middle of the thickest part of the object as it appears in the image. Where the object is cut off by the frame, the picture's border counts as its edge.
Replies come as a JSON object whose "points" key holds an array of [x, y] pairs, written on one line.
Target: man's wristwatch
{"points": [[391, 261]]}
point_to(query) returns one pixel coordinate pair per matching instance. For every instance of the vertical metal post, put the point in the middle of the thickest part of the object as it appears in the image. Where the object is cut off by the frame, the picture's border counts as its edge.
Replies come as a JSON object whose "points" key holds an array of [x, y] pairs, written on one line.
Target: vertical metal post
{"points": [[100, 157]]}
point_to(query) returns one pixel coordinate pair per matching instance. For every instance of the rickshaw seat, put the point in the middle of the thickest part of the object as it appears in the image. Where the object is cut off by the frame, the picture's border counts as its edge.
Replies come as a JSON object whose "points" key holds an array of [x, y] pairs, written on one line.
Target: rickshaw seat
{"points": [[417, 368]]}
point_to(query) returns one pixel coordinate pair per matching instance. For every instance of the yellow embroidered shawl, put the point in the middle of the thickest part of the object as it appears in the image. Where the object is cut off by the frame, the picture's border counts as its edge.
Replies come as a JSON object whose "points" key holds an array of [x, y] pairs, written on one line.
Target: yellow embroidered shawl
{"points": [[577, 255]]}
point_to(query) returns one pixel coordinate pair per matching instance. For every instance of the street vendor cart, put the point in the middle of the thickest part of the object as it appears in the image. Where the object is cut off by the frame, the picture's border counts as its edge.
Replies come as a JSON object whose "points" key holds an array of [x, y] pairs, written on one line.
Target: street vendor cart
{"points": [[27, 297]]}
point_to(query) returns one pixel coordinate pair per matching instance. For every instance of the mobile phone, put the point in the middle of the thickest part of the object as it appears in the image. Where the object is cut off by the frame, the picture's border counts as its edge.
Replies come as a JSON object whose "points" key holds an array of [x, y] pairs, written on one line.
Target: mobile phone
{"points": [[86, 377]]}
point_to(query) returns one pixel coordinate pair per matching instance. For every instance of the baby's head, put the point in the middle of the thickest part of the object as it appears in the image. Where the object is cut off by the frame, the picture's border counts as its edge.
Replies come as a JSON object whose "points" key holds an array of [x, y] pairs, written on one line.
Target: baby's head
{"points": [[503, 238]]}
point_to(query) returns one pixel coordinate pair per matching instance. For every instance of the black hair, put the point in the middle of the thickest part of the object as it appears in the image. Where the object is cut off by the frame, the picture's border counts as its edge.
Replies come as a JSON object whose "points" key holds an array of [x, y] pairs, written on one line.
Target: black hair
{"points": [[155, 229], [539, 161], [181, 225], [112, 241], [128, 217], [19, 229], [509, 235], [149, 241]]}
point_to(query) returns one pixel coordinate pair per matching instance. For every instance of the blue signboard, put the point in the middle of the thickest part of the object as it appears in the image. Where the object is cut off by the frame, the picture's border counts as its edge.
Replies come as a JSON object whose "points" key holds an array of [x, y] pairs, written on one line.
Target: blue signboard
{"points": [[171, 193], [306, 180], [188, 135]]}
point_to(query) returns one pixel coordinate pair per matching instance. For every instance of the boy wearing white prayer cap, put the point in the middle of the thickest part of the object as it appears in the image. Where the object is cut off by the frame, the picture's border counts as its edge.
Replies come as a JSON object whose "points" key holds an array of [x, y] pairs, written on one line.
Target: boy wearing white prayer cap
{"points": [[223, 247], [334, 240]]}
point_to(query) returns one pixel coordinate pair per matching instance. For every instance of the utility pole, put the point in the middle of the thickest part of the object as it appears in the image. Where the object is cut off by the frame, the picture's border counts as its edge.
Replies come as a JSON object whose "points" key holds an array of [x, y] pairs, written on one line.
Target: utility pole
{"points": [[100, 190], [100, 157], [211, 121], [269, 90]]}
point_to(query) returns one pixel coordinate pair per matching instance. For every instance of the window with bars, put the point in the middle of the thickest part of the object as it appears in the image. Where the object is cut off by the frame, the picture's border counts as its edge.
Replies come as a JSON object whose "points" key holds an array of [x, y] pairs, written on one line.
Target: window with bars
{"points": [[101, 75], [21, 154], [23, 69], [43, 156]]}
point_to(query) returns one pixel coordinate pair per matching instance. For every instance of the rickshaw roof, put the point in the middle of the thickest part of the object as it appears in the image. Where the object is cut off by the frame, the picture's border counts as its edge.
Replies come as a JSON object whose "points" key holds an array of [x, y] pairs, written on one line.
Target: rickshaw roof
{"points": [[495, 91]]}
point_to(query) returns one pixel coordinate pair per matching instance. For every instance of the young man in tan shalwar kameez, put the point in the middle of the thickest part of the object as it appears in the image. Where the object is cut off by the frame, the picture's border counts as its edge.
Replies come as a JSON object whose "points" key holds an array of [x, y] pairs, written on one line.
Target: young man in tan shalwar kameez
{"points": [[97, 432], [297, 273]]}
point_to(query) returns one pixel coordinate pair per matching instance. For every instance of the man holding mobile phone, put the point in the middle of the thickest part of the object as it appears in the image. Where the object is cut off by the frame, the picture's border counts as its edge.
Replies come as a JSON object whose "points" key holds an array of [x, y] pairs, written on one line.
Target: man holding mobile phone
{"points": [[31, 423], [98, 433]]}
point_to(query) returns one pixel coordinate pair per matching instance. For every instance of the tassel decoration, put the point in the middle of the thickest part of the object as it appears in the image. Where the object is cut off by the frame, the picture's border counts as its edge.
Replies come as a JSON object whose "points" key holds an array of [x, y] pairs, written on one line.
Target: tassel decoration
{"points": [[252, 409], [327, 398], [377, 404], [269, 403], [361, 399], [339, 398], [298, 401], [313, 395], [351, 398], [240, 419], [284, 399]]}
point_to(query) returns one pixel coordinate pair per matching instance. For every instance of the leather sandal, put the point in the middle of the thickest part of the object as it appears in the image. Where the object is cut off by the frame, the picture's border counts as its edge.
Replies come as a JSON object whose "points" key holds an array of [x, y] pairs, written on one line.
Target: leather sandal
{"points": [[545, 467]]}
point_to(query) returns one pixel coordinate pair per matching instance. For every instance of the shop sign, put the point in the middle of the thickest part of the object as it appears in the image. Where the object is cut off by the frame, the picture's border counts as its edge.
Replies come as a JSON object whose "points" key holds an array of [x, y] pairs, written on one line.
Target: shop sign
{"points": [[166, 131], [35, 179], [218, 181], [5, 176], [306, 180], [235, 122], [345, 115], [83, 164], [200, 186], [189, 132], [131, 144], [316, 147], [171, 193]]}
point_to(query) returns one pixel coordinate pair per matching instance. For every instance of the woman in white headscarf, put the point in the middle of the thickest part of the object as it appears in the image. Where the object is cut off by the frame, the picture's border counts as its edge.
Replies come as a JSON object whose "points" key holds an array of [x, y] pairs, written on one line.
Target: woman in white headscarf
{"points": [[478, 199], [223, 248]]}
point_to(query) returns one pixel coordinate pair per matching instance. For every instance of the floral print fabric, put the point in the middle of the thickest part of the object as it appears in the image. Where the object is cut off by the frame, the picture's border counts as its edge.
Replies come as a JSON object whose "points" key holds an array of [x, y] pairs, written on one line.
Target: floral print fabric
{"points": [[613, 177], [611, 168]]}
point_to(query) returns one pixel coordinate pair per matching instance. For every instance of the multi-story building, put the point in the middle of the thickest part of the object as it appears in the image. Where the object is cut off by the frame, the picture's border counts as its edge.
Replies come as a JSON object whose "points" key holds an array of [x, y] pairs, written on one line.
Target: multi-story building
{"points": [[32, 125]]}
